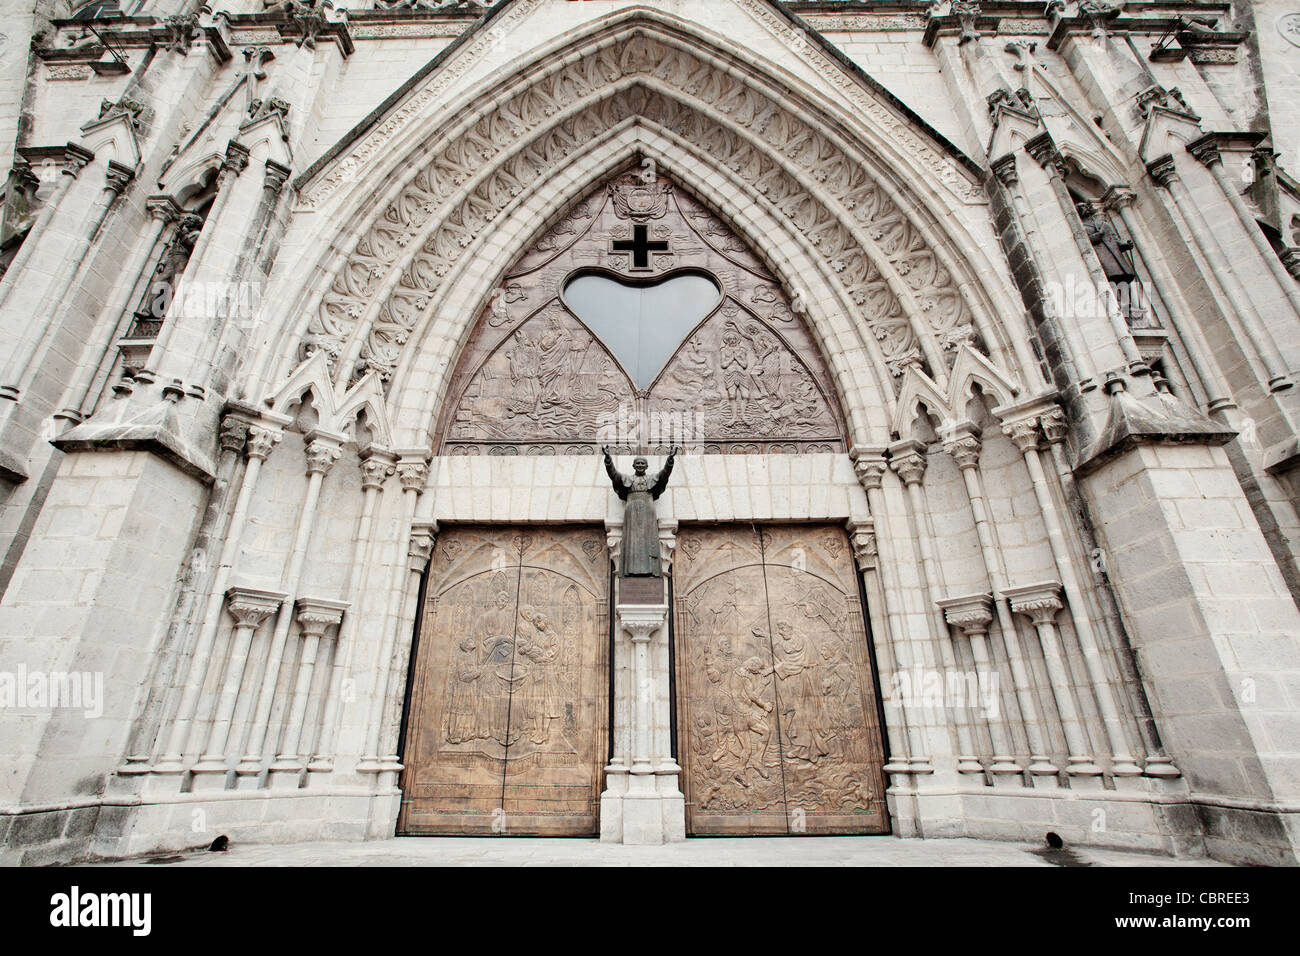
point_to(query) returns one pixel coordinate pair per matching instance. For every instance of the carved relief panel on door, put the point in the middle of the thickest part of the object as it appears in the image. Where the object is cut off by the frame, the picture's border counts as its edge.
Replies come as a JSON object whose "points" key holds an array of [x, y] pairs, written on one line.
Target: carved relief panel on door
{"points": [[506, 728], [778, 724]]}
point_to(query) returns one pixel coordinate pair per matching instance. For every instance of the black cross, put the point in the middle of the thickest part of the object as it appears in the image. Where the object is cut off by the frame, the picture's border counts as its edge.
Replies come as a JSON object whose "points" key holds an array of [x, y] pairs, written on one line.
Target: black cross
{"points": [[640, 245]]}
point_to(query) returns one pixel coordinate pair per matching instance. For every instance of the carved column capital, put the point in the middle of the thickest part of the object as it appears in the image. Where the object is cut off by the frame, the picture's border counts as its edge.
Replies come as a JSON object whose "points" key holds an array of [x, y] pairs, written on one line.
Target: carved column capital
{"points": [[1005, 170], [163, 208], [376, 465], [966, 12], [420, 548], [1055, 425], [250, 606], [1023, 433], [870, 469], [277, 175], [117, 176], [908, 461], [1206, 150], [1044, 152], [970, 614], [1290, 257], [641, 623], [75, 159], [316, 615], [862, 537], [236, 160], [614, 538], [965, 449], [1163, 171], [1039, 602], [261, 440], [1118, 197], [667, 544], [233, 434], [413, 473], [321, 453]]}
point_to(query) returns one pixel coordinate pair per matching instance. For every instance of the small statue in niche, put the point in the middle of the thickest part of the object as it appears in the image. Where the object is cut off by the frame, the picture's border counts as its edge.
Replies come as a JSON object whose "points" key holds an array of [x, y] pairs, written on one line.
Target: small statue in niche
{"points": [[640, 552]]}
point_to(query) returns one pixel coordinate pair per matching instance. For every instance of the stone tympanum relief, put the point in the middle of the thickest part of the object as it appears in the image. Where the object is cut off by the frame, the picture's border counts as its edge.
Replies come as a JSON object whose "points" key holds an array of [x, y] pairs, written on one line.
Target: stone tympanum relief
{"points": [[638, 321], [779, 731], [506, 729]]}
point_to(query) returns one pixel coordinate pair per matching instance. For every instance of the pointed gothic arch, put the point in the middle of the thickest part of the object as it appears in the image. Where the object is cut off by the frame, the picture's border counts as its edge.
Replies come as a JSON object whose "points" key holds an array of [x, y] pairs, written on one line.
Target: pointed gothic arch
{"points": [[544, 374], [904, 274]]}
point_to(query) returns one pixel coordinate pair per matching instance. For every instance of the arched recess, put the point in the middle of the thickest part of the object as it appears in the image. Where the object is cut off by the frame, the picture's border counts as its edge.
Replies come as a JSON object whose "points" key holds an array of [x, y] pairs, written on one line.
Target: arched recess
{"points": [[885, 251], [640, 320]]}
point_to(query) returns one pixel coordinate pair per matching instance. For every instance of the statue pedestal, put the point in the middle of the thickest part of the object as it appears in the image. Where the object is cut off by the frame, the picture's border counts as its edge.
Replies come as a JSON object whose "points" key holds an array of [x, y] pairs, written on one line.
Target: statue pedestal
{"points": [[642, 803]]}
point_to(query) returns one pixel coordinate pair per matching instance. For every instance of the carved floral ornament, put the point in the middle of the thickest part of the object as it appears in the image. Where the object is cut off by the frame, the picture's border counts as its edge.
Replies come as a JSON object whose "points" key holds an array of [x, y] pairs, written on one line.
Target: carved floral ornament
{"points": [[906, 295]]}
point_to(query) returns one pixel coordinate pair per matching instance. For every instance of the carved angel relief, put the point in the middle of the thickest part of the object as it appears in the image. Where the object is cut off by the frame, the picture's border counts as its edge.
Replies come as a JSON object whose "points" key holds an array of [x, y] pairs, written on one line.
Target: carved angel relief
{"points": [[536, 378]]}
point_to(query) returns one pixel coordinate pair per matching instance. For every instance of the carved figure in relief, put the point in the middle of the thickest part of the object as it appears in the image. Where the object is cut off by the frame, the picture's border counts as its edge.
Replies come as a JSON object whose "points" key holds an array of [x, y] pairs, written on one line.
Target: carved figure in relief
{"points": [[734, 359], [747, 707], [462, 697], [504, 671], [554, 364], [767, 364], [806, 725], [540, 644], [523, 373]]}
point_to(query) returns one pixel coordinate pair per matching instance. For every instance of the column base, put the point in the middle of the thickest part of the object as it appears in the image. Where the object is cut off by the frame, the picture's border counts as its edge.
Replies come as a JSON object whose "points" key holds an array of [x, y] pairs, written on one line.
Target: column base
{"points": [[208, 779], [1082, 767], [968, 764], [642, 809]]}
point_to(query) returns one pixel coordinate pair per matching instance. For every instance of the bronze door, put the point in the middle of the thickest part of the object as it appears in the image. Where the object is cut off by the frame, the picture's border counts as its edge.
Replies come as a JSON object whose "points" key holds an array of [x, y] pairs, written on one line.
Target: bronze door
{"points": [[778, 726], [507, 720]]}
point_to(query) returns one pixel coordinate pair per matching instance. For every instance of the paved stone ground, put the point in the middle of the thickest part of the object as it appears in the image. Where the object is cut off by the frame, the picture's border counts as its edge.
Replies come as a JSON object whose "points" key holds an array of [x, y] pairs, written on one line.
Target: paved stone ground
{"points": [[786, 851]]}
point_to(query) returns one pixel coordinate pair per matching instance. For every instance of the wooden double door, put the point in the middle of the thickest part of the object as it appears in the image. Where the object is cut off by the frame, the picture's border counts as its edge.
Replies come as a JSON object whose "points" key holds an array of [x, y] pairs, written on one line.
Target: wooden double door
{"points": [[778, 724], [507, 719]]}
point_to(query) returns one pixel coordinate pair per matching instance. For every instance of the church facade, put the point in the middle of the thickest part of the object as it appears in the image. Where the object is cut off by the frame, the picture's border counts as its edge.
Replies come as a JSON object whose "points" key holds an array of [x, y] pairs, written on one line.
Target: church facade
{"points": [[974, 326]]}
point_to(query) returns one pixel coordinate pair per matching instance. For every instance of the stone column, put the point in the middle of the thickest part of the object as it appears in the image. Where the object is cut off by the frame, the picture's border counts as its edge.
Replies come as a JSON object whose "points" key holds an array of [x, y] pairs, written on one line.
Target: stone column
{"points": [[1218, 396], [1024, 435], [261, 439], [1156, 763], [376, 466], [315, 617], [418, 554], [27, 362], [1163, 171], [642, 803], [965, 449], [235, 162], [195, 578], [75, 160], [1044, 151], [1206, 149], [870, 469], [249, 607], [908, 461], [862, 536], [413, 473], [1031, 230], [323, 449], [972, 616], [163, 211], [1040, 602]]}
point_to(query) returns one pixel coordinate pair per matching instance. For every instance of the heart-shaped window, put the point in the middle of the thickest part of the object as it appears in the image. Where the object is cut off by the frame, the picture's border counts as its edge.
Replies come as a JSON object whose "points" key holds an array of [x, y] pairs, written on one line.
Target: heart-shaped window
{"points": [[642, 323]]}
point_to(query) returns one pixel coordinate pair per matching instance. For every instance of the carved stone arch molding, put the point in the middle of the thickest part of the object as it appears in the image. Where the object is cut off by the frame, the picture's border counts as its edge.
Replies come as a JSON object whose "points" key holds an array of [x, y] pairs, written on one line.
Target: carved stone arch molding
{"points": [[857, 368], [722, 362], [901, 289]]}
